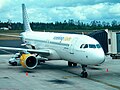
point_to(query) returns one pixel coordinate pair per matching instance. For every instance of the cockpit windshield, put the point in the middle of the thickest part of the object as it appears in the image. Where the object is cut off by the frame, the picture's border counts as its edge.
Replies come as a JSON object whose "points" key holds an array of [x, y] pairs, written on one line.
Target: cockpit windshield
{"points": [[90, 46], [98, 45], [86, 46]]}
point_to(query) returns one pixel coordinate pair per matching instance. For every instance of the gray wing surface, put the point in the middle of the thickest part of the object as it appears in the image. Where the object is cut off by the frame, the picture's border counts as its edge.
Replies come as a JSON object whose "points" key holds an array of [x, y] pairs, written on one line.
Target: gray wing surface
{"points": [[41, 51], [7, 35]]}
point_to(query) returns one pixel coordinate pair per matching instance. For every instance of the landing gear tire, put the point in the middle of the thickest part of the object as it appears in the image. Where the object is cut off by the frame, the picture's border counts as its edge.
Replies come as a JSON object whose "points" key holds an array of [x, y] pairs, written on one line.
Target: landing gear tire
{"points": [[74, 64], [84, 74], [69, 64]]}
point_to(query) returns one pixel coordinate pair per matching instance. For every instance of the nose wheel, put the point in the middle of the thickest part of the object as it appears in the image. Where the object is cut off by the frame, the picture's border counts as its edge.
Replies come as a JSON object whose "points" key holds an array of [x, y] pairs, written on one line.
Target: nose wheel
{"points": [[84, 74]]}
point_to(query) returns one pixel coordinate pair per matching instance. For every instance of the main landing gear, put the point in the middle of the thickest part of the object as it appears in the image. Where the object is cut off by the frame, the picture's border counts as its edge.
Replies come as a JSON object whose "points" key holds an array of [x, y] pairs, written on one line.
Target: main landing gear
{"points": [[70, 64], [84, 74]]}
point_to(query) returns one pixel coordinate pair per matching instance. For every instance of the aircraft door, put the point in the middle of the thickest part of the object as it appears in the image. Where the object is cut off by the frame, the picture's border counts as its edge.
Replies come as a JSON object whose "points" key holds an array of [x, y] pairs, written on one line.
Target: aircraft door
{"points": [[72, 46]]}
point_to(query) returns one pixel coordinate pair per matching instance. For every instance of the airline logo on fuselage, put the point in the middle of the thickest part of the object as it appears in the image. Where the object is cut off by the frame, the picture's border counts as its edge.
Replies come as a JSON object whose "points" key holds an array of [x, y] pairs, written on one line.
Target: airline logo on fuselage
{"points": [[62, 38]]}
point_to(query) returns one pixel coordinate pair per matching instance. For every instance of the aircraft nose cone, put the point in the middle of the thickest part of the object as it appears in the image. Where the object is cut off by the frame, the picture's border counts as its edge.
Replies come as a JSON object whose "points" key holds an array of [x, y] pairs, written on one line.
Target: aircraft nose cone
{"points": [[100, 57], [97, 57]]}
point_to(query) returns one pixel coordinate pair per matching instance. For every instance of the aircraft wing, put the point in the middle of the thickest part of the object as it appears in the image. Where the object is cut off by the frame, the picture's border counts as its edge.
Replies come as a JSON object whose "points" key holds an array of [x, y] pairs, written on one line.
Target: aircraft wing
{"points": [[41, 51], [7, 35]]}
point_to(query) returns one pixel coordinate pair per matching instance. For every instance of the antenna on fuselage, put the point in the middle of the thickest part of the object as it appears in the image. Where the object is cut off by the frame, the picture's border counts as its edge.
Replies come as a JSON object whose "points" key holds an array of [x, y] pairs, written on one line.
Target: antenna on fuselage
{"points": [[26, 24]]}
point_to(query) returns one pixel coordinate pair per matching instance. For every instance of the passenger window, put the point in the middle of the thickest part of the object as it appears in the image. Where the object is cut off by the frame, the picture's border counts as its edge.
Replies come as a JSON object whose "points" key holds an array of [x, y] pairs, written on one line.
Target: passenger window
{"points": [[86, 46], [98, 46], [92, 46]]}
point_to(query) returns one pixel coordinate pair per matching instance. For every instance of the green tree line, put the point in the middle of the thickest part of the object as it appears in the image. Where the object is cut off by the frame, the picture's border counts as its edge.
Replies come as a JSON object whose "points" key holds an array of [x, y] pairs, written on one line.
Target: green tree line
{"points": [[66, 25]]}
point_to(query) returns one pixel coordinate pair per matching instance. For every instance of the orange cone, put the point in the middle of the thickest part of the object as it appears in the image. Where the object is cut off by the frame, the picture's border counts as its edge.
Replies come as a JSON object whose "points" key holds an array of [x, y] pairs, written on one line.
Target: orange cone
{"points": [[107, 70], [26, 73]]}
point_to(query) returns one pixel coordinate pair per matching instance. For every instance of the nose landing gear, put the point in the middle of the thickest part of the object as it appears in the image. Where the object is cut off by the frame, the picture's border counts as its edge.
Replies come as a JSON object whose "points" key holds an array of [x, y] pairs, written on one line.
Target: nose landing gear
{"points": [[84, 74]]}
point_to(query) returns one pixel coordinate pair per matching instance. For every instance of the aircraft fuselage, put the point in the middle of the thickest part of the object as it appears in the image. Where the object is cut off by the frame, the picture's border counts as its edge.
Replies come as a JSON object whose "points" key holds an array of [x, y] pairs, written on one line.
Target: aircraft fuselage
{"points": [[71, 47]]}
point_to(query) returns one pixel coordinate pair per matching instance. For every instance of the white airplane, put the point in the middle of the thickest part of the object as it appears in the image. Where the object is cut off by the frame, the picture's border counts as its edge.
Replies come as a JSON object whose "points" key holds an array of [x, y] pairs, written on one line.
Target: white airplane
{"points": [[73, 48]]}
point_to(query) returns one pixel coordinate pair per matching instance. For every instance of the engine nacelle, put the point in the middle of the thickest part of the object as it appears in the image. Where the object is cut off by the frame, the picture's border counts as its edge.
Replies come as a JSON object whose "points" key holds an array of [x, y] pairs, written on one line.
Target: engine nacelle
{"points": [[28, 61]]}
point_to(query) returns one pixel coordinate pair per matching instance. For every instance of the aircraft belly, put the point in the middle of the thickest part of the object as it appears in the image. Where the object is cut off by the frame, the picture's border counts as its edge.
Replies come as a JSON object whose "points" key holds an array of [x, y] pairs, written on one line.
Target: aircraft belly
{"points": [[65, 53], [80, 57], [86, 58]]}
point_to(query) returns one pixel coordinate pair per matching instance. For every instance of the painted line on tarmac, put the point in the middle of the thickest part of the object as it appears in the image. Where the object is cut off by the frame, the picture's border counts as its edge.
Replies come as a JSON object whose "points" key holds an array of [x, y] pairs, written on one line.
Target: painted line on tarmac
{"points": [[98, 81], [111, 85]]}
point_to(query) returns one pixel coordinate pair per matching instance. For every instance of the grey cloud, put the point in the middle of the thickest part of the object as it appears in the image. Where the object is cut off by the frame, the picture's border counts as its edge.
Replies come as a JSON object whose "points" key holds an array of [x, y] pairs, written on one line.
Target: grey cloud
{"points": [[60, 10]]}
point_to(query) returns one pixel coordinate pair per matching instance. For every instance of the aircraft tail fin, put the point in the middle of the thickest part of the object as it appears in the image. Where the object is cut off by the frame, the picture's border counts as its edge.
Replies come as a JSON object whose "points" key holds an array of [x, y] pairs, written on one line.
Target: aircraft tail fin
{"points": [[26, 23]]}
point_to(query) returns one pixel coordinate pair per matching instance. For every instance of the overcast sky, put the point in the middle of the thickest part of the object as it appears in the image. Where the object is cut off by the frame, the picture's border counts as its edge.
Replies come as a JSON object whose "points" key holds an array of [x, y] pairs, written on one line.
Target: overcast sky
{"points": [[60, 10]]}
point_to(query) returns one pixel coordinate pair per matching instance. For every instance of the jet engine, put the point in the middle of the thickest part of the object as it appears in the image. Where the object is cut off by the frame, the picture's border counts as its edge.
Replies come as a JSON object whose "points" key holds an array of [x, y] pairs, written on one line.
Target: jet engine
{"points": [[28, 61]]}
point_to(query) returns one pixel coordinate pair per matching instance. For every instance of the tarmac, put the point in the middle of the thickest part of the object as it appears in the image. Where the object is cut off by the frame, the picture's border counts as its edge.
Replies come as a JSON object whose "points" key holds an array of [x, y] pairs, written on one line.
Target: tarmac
{"points": [[56, 75]]}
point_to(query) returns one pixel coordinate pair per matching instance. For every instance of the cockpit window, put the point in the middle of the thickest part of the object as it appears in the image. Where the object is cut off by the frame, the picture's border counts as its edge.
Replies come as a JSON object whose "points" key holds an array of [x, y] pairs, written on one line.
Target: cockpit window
{"points": [[92, 46], [82, 46], [98, 46], [86, 46]]}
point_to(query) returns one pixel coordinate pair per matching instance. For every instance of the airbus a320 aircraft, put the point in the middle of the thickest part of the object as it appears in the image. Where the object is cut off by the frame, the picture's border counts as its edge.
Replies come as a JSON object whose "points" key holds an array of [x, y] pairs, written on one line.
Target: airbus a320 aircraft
{"points": [[73, 48]]}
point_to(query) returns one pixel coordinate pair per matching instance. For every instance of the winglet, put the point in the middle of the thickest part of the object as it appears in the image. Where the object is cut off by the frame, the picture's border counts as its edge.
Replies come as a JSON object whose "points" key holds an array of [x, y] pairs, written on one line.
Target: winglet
{"points": [[25, 19]]}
